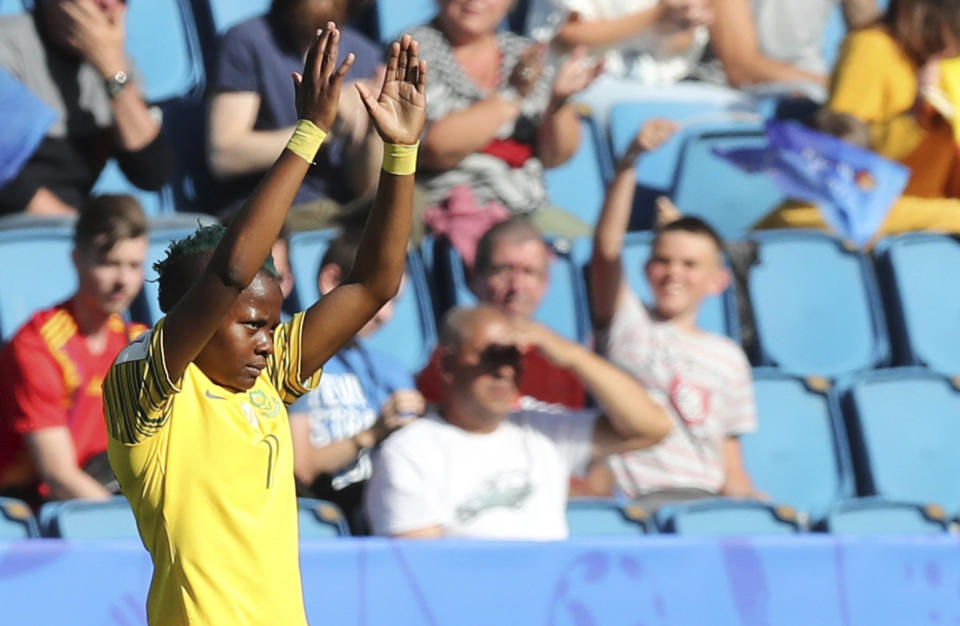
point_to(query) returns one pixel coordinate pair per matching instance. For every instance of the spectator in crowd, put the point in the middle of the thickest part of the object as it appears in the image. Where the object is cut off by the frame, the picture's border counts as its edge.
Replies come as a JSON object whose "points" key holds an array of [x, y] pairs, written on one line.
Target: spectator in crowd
{"points": [[703, 381], [883, 77], [52, 437], [364, 396], [487, 466], [70, 54], [498, 116], [778, 44], [252, 112]]}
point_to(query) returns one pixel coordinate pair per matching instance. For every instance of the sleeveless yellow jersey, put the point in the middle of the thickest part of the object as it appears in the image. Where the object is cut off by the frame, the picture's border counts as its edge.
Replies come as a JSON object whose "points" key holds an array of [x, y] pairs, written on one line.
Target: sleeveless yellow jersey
{"points": [[209, 474]]}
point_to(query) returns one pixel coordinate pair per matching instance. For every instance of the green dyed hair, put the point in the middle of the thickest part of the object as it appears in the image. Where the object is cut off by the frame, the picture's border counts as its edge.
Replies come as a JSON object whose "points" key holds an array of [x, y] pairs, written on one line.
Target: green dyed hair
{"points": [[186, 258]]}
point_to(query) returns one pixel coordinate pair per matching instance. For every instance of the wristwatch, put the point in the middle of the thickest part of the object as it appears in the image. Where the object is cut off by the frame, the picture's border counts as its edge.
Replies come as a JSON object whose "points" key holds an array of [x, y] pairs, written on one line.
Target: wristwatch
{"points": [[116, 83]]}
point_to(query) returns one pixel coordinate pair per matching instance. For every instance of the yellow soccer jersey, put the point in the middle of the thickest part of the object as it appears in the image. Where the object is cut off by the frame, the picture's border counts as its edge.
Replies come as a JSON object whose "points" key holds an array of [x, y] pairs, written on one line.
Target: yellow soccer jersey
{"points": [[209, 474]]}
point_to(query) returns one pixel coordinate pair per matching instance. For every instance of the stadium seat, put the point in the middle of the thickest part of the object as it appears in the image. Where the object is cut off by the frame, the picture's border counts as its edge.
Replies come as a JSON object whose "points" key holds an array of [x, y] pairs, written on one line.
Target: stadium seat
{"points": [[10, 7], [917, 272], [708, 186], [721, 516], [578, 186], [410, 336], [564, 307], [163, 41], [16, 520], [38, 272], [718, 313], [904, 425], [86, 519], [320, 519], [596, 517], [113, 180], [799, 453], [877, 516], [394, 18], [815, 305], [227, 13]]}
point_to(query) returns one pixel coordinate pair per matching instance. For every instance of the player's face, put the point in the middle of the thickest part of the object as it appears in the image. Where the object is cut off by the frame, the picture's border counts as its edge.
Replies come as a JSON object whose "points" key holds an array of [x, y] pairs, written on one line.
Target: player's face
{"points": [[684, 268], [111, 280], [486, 370], [517, 279], [238, 351]]}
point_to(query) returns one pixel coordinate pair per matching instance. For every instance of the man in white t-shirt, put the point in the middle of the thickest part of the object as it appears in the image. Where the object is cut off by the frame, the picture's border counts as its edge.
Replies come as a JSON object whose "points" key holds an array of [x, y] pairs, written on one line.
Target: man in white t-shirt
{"points": [[703, 380], [486, 467]]}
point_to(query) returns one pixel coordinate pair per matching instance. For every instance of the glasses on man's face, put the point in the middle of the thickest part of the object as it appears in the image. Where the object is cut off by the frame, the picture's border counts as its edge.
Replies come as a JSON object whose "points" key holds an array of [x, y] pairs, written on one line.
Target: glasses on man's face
{"points": [[505, 271], [496, 355]]}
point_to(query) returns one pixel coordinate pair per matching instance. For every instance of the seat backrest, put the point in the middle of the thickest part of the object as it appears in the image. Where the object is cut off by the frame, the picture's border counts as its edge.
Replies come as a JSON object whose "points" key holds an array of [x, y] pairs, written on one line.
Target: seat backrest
{"points": [[578, 186], [38, 273], [923, 302], [904, 425], [410, 336], [11, 7], [564, 306], [113, 180], [600, 517], [16, 520], [877, 516], [85, 519], [799, 453], [320, 519], [163, 41], [728, 517], [394, 18], [710, 187], [147, 306], [815, 305], [227, 13]]}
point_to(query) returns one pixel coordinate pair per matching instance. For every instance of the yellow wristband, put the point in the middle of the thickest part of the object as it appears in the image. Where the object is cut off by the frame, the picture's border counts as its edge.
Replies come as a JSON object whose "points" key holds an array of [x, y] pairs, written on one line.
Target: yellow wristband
{"points": [[400, 160], [306, 140]]}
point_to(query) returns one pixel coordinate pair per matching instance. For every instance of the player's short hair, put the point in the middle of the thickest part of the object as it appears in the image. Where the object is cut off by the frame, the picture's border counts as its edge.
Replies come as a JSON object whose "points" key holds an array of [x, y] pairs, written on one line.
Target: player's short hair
{"points": [[693, 225], [514, 230], [108, 219], [186, 259]]}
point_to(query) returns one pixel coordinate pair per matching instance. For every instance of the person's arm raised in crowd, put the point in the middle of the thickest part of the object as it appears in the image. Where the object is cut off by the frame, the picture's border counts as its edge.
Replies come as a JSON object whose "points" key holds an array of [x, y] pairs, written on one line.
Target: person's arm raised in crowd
{"points": [[673, 14], [55, 458], [558, 135], [606, 270], [398, 114], [733, 36], [251, 234], [631, 420]]}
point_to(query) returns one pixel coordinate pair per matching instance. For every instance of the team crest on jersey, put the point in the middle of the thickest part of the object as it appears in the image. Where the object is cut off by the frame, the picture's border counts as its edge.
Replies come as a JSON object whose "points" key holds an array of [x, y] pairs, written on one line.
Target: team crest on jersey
{"points": [[265, 405]]}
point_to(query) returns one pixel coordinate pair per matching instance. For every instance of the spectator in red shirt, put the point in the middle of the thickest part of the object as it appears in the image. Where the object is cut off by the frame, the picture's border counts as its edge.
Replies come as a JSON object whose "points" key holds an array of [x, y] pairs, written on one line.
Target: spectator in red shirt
{"points": [[52, 435]]}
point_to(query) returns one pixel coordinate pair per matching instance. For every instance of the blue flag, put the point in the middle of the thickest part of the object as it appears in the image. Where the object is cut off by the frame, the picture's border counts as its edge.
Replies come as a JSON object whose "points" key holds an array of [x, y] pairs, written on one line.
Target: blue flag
{"points": [[854, 188], [26, 119]]}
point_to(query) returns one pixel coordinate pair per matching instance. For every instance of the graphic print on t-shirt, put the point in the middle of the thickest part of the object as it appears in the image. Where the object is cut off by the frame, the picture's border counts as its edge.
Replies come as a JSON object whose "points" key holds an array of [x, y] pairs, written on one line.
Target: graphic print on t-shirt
{"points": [[510, 489], [689, 400]]}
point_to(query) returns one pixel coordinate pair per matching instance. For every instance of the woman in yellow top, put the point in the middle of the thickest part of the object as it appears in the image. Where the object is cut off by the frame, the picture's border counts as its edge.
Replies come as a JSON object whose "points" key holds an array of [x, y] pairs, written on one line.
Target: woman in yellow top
{"points": [[880, 79]]}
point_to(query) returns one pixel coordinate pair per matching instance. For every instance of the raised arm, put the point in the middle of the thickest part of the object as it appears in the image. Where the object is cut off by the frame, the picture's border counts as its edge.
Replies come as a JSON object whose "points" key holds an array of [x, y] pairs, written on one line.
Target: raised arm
{"points": [[558, 135], [399, 114], [251, 234], [631, 419], [606, 271]]}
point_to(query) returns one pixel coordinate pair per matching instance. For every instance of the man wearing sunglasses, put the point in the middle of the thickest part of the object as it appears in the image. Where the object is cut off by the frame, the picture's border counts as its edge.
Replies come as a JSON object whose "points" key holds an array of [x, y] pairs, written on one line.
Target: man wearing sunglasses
{"points": [[487, 465]]}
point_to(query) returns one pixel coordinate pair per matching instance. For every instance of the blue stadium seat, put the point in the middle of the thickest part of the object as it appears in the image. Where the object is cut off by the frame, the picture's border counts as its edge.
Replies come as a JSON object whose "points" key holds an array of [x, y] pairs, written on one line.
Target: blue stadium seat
{"points": [[877, 516], [918, 273], [799, 453], [410, 336], [10, 7], [564, 307], [599, 517], [86, 519], [227, 13], [728, 517], [816, 306], [578, 186], [163, 41], [113, 180], [320, 519], [718, 314], [38, 272], [904, 428], [395, 18], [16, 520], [710, 187]]}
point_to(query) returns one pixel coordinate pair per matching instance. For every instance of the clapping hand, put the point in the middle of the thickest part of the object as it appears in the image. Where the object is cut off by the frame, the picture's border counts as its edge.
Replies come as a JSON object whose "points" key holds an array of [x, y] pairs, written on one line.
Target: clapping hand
{"points": [[574, 75], [400, 111], [318, 88], [652, 135]]}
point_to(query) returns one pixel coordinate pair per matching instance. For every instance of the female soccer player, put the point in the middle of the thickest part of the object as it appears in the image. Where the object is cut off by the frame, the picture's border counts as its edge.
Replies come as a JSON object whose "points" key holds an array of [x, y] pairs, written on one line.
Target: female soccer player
{"points": [[196, 408]]}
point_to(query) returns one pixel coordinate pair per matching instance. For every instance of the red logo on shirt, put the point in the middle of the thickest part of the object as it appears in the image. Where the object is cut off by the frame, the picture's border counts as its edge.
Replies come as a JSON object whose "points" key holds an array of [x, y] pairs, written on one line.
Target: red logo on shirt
{"points": [[690, 401]]}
